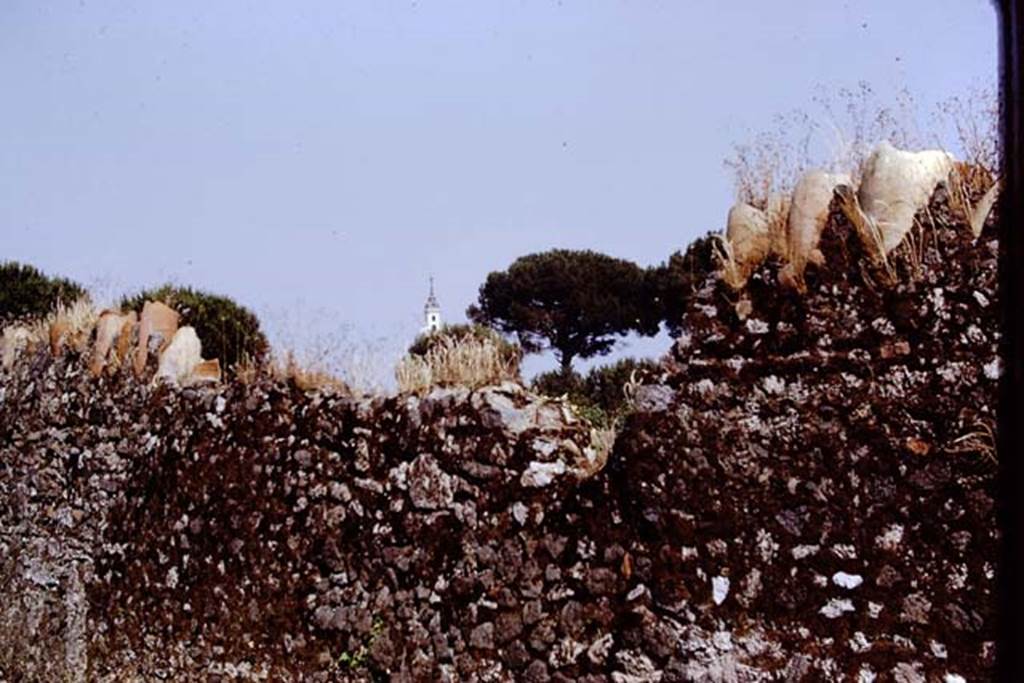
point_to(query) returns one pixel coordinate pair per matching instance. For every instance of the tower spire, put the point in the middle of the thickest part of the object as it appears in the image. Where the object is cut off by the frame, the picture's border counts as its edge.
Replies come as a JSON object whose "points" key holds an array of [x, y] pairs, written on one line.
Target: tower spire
{"points": [[431, 312]]}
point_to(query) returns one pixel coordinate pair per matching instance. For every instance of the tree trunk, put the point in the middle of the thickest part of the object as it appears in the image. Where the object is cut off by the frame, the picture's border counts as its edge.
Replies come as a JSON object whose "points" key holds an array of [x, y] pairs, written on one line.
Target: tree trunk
{"points": [[565, 359]]}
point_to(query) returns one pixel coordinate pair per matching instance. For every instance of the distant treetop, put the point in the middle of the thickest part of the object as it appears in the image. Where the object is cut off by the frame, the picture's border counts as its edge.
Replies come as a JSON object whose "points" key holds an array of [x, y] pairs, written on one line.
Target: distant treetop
{"points": [[577, 303], [26, 292]]}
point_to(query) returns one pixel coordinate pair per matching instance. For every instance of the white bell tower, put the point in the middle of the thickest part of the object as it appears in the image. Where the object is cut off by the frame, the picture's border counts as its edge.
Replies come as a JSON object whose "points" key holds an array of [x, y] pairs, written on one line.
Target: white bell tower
{"points": [[431, 312]]}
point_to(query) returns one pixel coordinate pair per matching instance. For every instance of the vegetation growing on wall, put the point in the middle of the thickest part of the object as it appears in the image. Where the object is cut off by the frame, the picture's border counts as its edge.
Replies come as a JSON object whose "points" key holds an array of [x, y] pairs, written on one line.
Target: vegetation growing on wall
{"points": [[228, 331]]}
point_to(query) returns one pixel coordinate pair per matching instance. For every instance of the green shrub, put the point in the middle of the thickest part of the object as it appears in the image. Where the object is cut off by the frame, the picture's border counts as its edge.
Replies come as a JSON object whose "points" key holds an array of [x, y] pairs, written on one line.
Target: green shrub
{"points": [[573, 387], [559, 383], [25, 292], [595, 415], [509, 352], [600, 396], [605, 385], [228, 331]]}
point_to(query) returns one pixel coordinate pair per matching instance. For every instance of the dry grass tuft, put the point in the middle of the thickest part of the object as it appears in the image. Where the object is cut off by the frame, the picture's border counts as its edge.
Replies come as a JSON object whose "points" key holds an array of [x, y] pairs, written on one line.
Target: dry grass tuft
{"points": [[975, 121], [325, 352], [467, 362], [70, 324], [981, 440], [248, 371], [603, 442], [729, 269], [773, 162], [843, 131], [866, 228], [859, 121], [306, 376], [972, 193], [845, 127]]}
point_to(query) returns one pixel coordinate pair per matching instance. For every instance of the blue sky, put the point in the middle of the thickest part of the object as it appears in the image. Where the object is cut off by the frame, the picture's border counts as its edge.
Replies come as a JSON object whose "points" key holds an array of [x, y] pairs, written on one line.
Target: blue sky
{"points": [[319, 160]]}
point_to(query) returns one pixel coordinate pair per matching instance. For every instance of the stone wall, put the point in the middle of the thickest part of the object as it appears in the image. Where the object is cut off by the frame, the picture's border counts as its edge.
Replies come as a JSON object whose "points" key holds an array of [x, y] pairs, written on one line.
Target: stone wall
{"points": [[807, 494], [829, 461]]}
